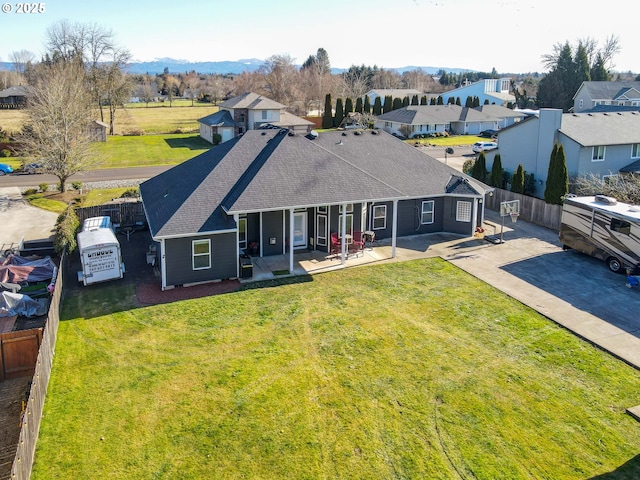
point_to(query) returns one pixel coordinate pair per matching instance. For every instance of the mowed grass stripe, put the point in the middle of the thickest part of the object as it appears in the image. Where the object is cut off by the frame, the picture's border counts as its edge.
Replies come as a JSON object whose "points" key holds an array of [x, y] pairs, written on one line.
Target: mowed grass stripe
{"points": [[406, 370]]}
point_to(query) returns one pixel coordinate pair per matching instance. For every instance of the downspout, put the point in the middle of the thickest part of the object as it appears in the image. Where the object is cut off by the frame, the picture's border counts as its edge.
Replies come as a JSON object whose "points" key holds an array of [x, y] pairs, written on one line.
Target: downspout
{"points": [[343, 240], [164, 265], [261, 243], [236, 218], [291, 241]]}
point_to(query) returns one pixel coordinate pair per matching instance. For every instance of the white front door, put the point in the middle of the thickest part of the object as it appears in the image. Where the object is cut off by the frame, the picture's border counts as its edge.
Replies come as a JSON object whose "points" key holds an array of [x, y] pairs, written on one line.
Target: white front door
{"points": [[300, 230]]}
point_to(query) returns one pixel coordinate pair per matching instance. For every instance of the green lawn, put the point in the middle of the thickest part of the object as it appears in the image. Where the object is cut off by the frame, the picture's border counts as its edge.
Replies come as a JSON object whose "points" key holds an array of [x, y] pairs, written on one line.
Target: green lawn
{"points": [[147, 150], [410, 370]]}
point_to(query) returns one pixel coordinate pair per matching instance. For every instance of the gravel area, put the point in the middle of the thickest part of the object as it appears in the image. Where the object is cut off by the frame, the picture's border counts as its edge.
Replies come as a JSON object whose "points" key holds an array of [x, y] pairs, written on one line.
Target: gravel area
{"points": [[96, 185]]}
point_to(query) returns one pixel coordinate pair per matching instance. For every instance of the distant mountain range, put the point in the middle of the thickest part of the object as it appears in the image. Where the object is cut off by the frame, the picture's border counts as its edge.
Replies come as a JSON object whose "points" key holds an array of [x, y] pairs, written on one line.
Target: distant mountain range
{"points": [[172, 65]]}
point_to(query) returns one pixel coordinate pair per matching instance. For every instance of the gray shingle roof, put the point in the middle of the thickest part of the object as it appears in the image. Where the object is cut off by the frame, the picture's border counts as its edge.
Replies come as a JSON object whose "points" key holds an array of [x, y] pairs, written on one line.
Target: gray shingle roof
{"points": [[269, 169], [592, 129], [252, 101], [221, 118], [607, 90]]}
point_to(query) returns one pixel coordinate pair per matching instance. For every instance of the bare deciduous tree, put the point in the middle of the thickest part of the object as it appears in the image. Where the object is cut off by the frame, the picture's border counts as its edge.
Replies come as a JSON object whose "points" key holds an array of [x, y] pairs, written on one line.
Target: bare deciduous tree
{"points": [[21, 59], [59, 117], [192, 85], [281, 78]]}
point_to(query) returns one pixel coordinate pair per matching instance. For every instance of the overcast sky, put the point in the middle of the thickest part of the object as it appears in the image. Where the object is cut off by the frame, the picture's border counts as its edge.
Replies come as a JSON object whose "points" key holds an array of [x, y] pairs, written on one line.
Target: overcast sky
{"points": [[508, 35]]}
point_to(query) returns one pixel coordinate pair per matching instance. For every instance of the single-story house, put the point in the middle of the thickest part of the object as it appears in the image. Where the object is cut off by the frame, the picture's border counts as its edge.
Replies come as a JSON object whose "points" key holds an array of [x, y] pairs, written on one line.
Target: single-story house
{"points": [[249, 111], [601, 144], [415, 120], [393, 93], [15, 97], [279, 192]]}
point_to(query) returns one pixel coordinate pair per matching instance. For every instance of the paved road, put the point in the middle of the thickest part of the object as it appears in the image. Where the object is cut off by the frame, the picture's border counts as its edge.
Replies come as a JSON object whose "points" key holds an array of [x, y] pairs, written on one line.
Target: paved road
{"points": [[134, 173]]}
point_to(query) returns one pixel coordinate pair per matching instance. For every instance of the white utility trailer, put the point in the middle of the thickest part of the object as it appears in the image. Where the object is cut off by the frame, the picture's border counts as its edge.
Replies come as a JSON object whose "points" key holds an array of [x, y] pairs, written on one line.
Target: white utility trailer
{"points": [[100, 252]]}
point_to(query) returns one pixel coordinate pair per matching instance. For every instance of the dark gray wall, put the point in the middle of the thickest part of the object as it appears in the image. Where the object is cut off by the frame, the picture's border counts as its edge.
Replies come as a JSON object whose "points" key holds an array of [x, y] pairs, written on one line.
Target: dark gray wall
{"points": [[178, 259], [272, 228]]}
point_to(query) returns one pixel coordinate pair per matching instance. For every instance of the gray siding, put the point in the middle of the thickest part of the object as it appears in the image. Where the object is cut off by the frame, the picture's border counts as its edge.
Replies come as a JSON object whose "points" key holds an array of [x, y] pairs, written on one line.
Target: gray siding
{"points": [[272, 228], [450, 224], [179, 265], [409, 217]]}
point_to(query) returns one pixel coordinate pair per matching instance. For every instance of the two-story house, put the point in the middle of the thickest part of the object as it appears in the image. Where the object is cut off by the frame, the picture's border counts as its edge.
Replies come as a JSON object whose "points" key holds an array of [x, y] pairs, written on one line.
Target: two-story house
{"points": [[249, 111], [602, 144], [493, 90], [607, 96]]}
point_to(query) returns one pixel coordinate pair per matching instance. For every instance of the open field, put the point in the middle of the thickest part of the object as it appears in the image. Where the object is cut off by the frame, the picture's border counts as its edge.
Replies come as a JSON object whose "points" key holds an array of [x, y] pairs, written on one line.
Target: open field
{"points": [[156, 118], [403, 370], [160, 118]]}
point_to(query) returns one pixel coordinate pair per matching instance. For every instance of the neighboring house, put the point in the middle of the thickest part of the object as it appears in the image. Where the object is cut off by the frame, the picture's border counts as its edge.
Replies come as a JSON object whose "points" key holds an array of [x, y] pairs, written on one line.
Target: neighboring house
{"points": [[393, 93], [433, 119], [493, 90], [98, 131], [594, 143], [249, 111], [273, 189], [14, 97], [609, 96], [145, 93]]}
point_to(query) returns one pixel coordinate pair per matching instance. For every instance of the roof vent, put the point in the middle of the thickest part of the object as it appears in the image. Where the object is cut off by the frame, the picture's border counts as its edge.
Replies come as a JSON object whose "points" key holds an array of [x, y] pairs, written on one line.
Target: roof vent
{"points": [[374, 132], [606, 200], [264, 133], [356, 133], [291, 134], [344, 134], [634, 208]]}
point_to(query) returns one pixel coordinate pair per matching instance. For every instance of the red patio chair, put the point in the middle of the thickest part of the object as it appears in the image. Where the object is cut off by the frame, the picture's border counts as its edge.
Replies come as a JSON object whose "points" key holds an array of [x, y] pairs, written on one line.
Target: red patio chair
{"points": [[336, 245], [357, 245]]}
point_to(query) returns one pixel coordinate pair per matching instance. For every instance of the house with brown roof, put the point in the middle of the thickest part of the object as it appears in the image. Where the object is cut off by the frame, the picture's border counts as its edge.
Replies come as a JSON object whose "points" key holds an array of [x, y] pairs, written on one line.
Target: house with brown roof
{"points": [[281, 193], [249, 111]]}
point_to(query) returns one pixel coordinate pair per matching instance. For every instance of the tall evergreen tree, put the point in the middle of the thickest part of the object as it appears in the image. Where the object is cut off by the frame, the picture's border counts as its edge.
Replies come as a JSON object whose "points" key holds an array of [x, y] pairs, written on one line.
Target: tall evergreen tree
{"points": [[458, 102], [517, 182], [339, 116], [423, 100], [440, 100], [432, 101], [377, 106], [397, 103], [479, 169], [496, 177], [367, 105], [358, 108], [414, 100], [469, 102], [557, 177], [451, 101], [348, 106], [327, 116], [599, 72], [476, 101], [388, 104], [405, 102]]}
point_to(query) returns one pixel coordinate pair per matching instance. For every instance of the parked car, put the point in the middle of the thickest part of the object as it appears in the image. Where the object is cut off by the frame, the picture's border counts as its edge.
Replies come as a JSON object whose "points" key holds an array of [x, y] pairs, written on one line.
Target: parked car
{"points": [[484, 146], [32, 168], [488, 133], [5, 169]]}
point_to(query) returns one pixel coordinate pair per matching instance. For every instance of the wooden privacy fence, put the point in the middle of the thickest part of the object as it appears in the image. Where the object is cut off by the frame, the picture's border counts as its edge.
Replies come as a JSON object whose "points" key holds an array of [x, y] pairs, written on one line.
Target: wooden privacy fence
{"points": [[19, 352], [23, 461], [532, 210], [123, 213]]}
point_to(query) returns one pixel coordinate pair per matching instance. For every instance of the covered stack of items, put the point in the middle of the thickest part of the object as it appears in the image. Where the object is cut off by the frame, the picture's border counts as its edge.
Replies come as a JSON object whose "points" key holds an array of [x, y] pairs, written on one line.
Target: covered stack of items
{"points": [[25, 285]]}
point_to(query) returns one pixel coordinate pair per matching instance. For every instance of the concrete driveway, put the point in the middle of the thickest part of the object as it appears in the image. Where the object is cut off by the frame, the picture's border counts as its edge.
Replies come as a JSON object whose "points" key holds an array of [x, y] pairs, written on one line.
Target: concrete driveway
{"points": [[19, 220]]}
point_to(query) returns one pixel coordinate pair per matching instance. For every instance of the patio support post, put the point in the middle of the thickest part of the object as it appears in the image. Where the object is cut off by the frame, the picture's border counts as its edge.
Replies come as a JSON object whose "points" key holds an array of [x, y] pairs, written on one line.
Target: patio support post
{"points": [[343, 239], [394, 229], [261, 242], [291, 241]]}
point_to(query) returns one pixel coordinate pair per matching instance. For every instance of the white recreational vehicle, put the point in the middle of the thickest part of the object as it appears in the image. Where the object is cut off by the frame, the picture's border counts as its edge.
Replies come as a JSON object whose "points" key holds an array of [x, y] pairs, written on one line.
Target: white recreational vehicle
{"points": [[604, 228], [99, 252]]}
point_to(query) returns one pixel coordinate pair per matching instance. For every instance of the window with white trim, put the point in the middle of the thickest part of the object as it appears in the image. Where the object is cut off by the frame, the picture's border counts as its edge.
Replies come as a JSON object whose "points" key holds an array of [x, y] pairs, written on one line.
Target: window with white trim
{"points": [[427, 212], [463, 211], [201, 254], [598, 154], [379, 217], [349, 208], [242, 232], [635, 150]]}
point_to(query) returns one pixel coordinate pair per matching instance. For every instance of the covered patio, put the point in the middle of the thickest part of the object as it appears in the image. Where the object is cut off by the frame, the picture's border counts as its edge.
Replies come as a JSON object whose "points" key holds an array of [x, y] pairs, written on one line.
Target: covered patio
{"points": [[311, 262]]}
